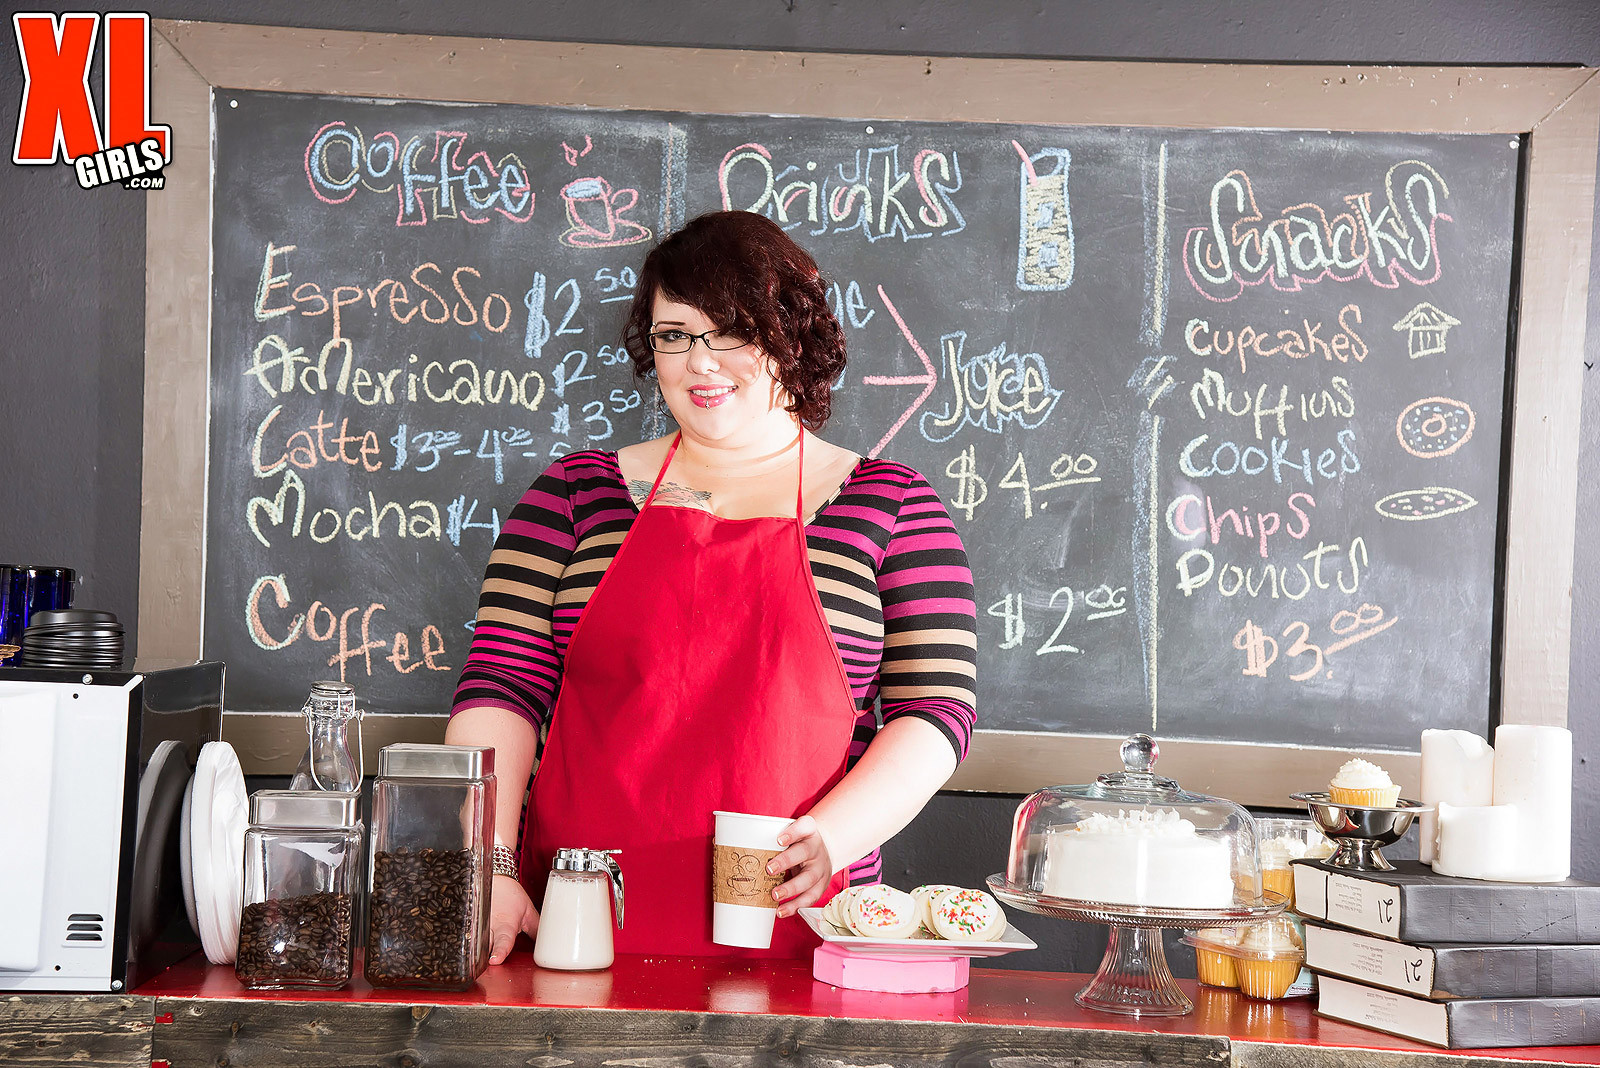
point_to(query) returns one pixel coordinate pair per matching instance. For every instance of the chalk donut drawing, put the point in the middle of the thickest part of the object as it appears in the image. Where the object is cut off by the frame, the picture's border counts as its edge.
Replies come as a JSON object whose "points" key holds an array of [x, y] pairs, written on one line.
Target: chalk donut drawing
{"points": [[1434, 426], [1429, 502]]}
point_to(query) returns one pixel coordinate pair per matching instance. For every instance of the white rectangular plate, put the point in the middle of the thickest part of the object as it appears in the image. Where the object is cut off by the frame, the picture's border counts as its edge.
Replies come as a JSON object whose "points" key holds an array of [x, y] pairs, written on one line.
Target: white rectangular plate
{"points": [[911, 948]]}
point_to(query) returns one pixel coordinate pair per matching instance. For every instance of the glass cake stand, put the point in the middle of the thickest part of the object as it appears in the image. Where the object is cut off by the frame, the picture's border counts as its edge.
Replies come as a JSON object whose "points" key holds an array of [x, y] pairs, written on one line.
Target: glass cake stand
{"points": [[1134, 979]]}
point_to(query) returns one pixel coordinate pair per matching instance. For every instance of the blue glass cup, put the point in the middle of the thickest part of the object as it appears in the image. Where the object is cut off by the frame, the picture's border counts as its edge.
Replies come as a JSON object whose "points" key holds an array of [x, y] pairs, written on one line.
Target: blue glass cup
{"points": [[24, 590]]}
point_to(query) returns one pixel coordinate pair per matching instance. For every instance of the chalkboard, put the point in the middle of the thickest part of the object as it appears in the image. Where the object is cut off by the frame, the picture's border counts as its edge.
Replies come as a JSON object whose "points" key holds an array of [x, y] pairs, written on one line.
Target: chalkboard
{"points": [[1219, 414]]}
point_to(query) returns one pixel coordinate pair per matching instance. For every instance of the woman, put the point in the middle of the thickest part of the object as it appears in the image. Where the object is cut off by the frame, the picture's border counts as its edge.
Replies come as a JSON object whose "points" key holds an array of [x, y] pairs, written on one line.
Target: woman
{"points": [[713, 616]]}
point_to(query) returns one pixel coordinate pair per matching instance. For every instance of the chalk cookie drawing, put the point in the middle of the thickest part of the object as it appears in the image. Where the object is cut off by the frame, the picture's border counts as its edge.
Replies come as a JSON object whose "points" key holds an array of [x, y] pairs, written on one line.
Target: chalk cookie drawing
{"points": [[1429, 502], [1425, 327], [1434, 426]]}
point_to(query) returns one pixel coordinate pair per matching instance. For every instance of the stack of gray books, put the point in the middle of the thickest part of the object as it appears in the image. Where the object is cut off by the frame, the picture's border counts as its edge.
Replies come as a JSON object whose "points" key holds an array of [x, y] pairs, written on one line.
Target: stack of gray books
{"points": [[1459, 963]]}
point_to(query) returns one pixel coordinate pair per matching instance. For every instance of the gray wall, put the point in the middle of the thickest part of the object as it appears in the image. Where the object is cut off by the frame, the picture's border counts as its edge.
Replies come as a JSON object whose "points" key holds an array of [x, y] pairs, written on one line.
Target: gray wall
{"points": [[71, 271]]}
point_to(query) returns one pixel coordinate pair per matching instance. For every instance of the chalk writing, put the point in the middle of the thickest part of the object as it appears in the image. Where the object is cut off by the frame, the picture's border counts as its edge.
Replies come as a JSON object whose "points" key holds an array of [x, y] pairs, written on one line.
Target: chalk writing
{"points": [[868, 193], [1102, 602], [1265, 408], [1304, 245], [305, 451], [1348, 626], [280, 370], [990, 390], [1203, 459], [433, 446], [1262, 342], [279, 634], [340, 162], [972, 489], [311, 299], [419, 519], [1198, 567], [1191, 517]]}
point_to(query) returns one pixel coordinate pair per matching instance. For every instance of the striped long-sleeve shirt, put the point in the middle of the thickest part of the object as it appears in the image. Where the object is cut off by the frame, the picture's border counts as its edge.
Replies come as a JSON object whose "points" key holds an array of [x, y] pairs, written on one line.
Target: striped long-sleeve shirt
{"points": [[890, 570]]}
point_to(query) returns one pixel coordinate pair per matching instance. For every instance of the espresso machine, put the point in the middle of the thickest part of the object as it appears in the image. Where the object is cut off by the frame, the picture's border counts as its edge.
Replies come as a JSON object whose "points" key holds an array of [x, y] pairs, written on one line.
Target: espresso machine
{"points": [[93, 769]]}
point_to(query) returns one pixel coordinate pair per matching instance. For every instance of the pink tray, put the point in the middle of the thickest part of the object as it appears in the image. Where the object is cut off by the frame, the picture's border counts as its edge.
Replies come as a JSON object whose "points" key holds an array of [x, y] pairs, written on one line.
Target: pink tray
{"points": [[893, 975]]}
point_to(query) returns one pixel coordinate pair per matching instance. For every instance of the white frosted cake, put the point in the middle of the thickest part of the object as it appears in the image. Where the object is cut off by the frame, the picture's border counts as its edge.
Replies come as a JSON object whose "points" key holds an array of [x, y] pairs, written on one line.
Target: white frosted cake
{"points": [[1143, 857]]}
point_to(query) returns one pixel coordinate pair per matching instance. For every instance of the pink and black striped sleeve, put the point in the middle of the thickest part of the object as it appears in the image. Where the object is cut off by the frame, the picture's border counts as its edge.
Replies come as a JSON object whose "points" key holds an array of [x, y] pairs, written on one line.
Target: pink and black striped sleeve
{"points": [[929, 667], [515, 660]]}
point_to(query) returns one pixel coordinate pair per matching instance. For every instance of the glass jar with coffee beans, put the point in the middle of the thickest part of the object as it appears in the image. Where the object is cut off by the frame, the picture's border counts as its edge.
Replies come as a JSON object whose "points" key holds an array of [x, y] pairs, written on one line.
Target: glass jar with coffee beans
{"points": [[302, 873], [432, 826]]}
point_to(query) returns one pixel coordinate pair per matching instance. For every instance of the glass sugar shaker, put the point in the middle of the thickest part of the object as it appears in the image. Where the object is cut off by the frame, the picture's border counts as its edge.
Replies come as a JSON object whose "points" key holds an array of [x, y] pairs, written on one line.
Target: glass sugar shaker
{"points": [[575, 922], [302, 871], [329, 764], [432, 826]]}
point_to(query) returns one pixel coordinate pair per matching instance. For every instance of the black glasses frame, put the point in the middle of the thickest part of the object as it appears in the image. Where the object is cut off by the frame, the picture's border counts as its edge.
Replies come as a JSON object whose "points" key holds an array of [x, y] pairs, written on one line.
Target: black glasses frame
{"points": [[656, 343]]}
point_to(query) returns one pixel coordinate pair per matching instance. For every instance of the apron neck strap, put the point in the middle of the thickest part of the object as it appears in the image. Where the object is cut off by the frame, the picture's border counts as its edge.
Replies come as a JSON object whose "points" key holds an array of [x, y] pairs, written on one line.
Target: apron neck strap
{"points": [[661, 474], [799, 489], [800, 483]]}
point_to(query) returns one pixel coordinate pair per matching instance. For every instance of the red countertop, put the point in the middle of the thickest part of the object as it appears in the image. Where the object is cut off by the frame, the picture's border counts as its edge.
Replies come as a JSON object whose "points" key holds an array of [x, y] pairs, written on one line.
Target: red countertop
{"points": [[785, 988]]}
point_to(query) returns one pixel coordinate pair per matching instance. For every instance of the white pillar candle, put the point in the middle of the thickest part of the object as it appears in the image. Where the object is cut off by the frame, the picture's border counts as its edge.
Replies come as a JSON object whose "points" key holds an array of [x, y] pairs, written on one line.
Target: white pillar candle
{"points": [[1458, 768], [1478, 841], [1533, 771]]}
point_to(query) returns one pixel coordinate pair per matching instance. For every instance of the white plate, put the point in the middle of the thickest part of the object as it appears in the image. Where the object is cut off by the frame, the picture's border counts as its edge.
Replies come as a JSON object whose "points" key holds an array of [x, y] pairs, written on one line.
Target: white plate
{"points": [[185, 857], [912, 948], [200, 790], [218, 813]]}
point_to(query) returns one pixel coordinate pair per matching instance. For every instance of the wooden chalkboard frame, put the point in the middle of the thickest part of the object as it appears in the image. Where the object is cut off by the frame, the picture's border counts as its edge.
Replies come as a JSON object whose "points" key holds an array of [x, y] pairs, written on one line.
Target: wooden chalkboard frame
{"points": [[1556, 108]]}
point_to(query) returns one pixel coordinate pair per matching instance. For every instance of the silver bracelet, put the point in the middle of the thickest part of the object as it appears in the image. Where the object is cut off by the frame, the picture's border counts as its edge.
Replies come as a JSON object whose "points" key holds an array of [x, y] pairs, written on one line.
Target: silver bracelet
{"points": [[504, 860]]}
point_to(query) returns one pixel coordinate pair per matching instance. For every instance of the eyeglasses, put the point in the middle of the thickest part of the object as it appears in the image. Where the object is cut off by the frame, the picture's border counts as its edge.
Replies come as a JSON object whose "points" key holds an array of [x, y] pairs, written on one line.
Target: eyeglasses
{"points": [[677, 342]]}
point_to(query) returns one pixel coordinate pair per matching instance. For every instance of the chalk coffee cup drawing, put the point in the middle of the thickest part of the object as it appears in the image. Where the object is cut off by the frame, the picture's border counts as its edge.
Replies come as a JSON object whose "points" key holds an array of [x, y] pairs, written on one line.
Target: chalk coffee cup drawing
{"points": [[595, 213], [743, 909]]}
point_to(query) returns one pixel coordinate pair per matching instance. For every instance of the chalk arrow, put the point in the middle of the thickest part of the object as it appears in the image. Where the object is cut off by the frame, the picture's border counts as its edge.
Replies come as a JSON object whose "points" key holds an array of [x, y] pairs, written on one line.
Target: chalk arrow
{"points": [[928, 380]]}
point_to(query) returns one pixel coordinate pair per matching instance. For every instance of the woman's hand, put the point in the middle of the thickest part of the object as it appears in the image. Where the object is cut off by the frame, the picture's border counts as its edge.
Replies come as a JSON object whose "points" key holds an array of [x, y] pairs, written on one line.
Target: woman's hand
{"points": [[807, 860], [510, 911]]}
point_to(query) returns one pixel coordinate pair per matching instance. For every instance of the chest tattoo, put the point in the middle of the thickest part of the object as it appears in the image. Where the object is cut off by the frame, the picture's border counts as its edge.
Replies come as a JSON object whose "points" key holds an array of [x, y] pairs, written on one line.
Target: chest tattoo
{"points": [[669, 493]]}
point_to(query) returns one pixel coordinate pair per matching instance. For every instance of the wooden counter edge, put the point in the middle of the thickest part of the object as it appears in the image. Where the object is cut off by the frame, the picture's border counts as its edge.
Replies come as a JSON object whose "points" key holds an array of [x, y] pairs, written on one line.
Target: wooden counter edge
{"points": [[114, 1029], [1246, 1053], [261, 1032], [105, 1030]]}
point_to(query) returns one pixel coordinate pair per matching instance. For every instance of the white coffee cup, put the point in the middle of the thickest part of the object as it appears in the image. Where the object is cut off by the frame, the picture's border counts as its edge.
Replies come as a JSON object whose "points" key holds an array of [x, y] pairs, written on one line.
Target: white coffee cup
{"points": [[743, 910]]}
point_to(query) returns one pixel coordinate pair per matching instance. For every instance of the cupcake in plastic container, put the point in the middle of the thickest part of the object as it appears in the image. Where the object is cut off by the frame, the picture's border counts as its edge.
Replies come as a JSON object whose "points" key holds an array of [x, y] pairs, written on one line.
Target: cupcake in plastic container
{"points": [[1285, 840], [1268, 959], [1214, 948], [1364, 784]]}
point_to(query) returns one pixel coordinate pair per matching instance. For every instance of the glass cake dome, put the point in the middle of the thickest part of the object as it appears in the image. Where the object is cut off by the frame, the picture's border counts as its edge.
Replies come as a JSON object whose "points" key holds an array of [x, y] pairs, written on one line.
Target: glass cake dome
{"points": [[1132, 838]]}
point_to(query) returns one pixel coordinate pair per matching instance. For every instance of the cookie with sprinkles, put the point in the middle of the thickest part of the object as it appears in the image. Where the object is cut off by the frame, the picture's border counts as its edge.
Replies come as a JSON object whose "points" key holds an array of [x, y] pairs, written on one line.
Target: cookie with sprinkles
{"points": [[968, 916], [925, 895], [883, 912], [837, 910]]}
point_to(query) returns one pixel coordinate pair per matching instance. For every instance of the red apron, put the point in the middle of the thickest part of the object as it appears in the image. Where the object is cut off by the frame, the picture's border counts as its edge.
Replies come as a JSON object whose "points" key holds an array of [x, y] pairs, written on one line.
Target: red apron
{"points": [[702, 675]]}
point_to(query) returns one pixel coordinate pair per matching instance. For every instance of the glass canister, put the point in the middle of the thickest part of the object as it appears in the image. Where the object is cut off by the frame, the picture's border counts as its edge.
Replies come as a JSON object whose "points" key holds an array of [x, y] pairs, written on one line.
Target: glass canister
{"points": [[575, 922], [432, 827], [302, 872], [329, 764]]}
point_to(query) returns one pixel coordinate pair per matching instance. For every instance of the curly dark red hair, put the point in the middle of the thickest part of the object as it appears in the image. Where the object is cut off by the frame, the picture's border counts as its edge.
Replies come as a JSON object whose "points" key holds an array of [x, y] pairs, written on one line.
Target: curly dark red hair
{"points": [[751, 279]]}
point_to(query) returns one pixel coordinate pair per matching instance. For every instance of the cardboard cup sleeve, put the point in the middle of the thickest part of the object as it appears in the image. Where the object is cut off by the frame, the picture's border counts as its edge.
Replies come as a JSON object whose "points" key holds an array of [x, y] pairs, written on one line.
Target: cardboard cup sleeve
{"points": [[739, 876]]}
